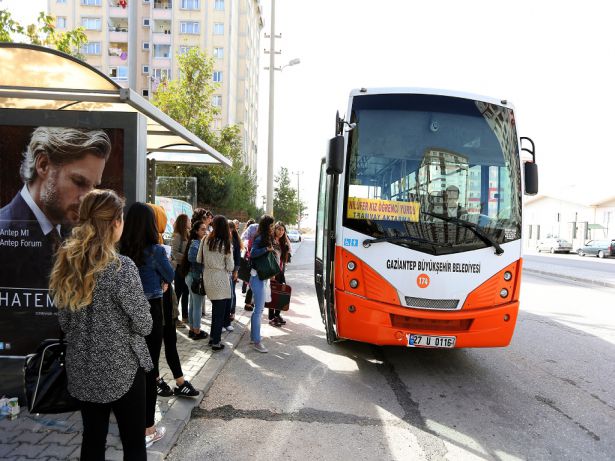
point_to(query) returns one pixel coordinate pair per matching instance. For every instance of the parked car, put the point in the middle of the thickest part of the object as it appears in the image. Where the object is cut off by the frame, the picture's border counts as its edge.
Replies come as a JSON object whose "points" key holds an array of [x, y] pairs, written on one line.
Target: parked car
{"points": [[294, 235], [554, 245], [600, 248]]}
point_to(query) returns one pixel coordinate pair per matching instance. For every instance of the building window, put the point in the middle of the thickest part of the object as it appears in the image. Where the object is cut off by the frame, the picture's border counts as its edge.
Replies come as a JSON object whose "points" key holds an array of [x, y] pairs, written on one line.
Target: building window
{"points": [[219, 5], [91, 48], [91, 2], [218, 53], [190, 4], [118, 72], [91, 23], [162, 51], [218, 28], [146, 45], [145, 70], [145, 93], [161, 74], [61, 22], [145, 22], [217, 76], [60, 1], [217, 100], [189, 27], [183, 49], [145, 1]]}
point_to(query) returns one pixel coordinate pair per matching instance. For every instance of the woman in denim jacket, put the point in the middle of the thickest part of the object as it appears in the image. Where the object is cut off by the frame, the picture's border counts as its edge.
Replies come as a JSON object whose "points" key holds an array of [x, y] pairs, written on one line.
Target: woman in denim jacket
{"points": [[194, 270], [262, 244], [140, 243]]}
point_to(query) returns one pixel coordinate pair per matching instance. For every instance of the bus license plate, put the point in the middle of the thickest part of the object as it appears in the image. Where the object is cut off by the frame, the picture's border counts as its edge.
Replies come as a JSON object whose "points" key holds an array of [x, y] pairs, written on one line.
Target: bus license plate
{"points": [[431, 341]]}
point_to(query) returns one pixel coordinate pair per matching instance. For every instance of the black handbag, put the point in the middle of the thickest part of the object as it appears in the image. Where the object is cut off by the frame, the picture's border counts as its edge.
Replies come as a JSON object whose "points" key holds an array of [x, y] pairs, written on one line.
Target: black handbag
{"points": [[198, 286], [244, 270], [266, 266], [45, 380]]}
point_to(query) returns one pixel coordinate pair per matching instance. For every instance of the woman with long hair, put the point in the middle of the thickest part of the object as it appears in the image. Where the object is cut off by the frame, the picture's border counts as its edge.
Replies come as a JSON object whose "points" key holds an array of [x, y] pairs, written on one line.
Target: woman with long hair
{"points": [[281, 246], [140, 243], [263, 242], [193, 270], [181, 231], [237, 249], [169, 334], [217, 258], [105, 317]]}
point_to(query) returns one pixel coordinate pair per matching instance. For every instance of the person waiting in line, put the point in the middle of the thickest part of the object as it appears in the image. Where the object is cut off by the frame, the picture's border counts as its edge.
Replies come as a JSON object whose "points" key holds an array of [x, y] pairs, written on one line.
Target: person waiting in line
{"points": [[193, 271], [140, 243], [237, 249], [248, 236], [217, 258], [263, 242], [105, 317], [169, 334], [181, 230], [281, 247]]}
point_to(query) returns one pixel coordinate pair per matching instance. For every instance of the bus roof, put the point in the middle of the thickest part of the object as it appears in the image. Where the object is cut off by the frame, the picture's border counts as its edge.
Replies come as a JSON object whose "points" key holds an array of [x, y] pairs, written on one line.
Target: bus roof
{"points": [[434, 91]]}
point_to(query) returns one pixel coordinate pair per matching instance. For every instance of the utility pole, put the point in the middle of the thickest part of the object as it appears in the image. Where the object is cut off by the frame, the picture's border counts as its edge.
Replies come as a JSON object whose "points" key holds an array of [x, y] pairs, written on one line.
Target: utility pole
{"points": [[132, 45], [272, 53], [298, 173]]}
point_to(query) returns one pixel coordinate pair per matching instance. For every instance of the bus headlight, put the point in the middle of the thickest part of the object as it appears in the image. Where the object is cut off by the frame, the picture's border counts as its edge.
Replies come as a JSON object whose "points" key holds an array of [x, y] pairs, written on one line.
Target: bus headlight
{"points": [[351, 265], [503, 292], [354, 283], [507, 276]]}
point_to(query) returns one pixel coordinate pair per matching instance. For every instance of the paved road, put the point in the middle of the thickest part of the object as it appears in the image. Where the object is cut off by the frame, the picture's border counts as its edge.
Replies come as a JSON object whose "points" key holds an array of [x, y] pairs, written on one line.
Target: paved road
{"points": [[550, 395], [573, 260]]}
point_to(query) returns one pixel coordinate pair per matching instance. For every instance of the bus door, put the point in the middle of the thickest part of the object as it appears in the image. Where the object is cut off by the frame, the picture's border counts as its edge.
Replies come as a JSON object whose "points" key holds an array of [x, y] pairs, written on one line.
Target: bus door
{"points": [[325, 249]]}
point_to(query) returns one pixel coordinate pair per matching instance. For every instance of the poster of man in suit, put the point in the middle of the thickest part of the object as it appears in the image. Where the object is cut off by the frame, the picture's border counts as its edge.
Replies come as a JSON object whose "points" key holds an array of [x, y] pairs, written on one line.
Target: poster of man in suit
{"points": [[44, 173]]}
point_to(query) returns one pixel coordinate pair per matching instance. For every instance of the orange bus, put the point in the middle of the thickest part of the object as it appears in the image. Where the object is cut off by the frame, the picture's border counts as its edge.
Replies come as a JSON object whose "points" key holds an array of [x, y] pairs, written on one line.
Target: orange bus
{"points": [[418, 235]]}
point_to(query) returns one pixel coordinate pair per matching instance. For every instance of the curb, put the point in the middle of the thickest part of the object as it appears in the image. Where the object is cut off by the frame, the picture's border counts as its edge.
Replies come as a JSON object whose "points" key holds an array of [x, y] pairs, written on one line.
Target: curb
{"points": [[176, 419], [573, 278]]}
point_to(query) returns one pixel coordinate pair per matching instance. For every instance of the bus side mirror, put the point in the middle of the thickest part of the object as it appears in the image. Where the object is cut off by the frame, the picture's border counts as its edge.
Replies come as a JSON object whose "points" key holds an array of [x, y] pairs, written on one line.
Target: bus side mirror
{"points": [[335, 155], [531, 178]]}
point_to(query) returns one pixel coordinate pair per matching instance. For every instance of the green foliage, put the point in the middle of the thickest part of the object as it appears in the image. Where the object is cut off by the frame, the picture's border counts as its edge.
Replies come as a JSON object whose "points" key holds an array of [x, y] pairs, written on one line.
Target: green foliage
{"points": [[44, 33], [286, 205], [189, 101]]}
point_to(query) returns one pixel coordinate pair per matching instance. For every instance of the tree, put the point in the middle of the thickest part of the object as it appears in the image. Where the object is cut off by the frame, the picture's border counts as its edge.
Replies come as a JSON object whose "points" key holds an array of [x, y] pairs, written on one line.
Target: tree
{"points": [[189, 101], [286, 205], [44, 33]]}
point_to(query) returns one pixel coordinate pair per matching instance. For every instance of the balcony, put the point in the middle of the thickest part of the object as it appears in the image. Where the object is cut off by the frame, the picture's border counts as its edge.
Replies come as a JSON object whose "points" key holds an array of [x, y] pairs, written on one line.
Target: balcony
{"points": [[162, 10], [159, 38], [115, 36], [118, 12]]}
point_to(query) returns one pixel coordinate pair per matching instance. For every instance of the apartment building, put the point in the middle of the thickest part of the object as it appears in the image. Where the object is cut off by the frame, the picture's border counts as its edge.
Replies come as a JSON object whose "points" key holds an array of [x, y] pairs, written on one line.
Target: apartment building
{"points": [[228, 30]]}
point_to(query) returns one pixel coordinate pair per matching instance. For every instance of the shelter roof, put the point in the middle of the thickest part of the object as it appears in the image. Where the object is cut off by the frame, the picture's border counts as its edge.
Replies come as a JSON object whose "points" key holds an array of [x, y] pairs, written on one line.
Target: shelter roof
{"points": [[34, 77]]}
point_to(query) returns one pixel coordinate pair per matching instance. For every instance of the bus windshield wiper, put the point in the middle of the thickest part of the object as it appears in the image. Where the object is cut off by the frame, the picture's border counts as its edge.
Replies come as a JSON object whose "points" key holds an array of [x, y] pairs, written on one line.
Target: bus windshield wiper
{"points": [[481, 234], [402, 239]]}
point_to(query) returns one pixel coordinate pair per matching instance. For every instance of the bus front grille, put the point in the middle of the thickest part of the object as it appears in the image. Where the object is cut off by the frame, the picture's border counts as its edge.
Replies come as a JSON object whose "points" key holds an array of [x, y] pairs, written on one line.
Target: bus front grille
{"points": [[426, 303]]}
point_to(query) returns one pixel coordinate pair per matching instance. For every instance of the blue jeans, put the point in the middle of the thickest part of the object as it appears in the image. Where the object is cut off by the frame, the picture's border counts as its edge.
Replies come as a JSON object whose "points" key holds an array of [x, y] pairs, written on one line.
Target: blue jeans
{"points": [[258, 288], [218, 310], [194, 308]]}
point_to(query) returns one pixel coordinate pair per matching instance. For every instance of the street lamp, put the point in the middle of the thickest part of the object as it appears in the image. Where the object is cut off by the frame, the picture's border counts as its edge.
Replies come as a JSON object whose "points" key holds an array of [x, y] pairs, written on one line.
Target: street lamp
{"points": [[272, 52]]}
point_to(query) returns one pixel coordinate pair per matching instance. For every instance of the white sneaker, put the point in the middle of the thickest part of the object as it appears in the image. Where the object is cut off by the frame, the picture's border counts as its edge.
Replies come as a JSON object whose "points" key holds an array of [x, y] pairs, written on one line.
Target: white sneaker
{"points": [[229, 328], [259, 347], [151, 439]]}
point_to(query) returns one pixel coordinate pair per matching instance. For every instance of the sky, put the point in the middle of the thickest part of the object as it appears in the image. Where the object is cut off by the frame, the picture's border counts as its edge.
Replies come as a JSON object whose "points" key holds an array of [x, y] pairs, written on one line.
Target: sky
{"points": [[551, 60]]}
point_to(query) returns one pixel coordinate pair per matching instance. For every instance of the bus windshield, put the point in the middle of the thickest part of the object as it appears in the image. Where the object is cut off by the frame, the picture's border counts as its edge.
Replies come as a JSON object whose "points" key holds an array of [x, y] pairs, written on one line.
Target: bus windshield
{"points": [[437, 174]]}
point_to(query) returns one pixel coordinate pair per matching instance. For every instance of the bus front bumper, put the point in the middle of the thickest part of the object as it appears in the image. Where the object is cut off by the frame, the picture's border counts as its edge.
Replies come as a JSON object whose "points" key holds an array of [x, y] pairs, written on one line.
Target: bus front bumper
{"points": [[383, 324]]}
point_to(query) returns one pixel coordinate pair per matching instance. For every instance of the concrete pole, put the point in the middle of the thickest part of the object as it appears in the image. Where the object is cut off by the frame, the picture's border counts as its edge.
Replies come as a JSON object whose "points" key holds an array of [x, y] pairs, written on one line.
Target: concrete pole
{"points": [[269, 209], [132, 44]]}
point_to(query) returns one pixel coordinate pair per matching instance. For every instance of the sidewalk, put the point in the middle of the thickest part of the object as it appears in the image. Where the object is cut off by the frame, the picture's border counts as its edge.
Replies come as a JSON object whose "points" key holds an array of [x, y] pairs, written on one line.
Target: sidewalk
{"points": [[602, 278], [58, 437]]}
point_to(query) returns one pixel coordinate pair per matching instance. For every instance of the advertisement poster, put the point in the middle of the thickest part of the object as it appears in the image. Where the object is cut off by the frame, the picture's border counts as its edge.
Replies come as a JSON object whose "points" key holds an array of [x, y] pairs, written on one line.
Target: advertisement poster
{"points": [[44, 172]]}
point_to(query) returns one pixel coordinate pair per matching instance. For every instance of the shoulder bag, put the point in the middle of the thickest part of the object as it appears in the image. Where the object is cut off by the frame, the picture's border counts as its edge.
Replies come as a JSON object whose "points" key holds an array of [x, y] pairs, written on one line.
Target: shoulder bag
{"points": [[45, 380], [198, 286], [266, 266], [244, 269]]}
